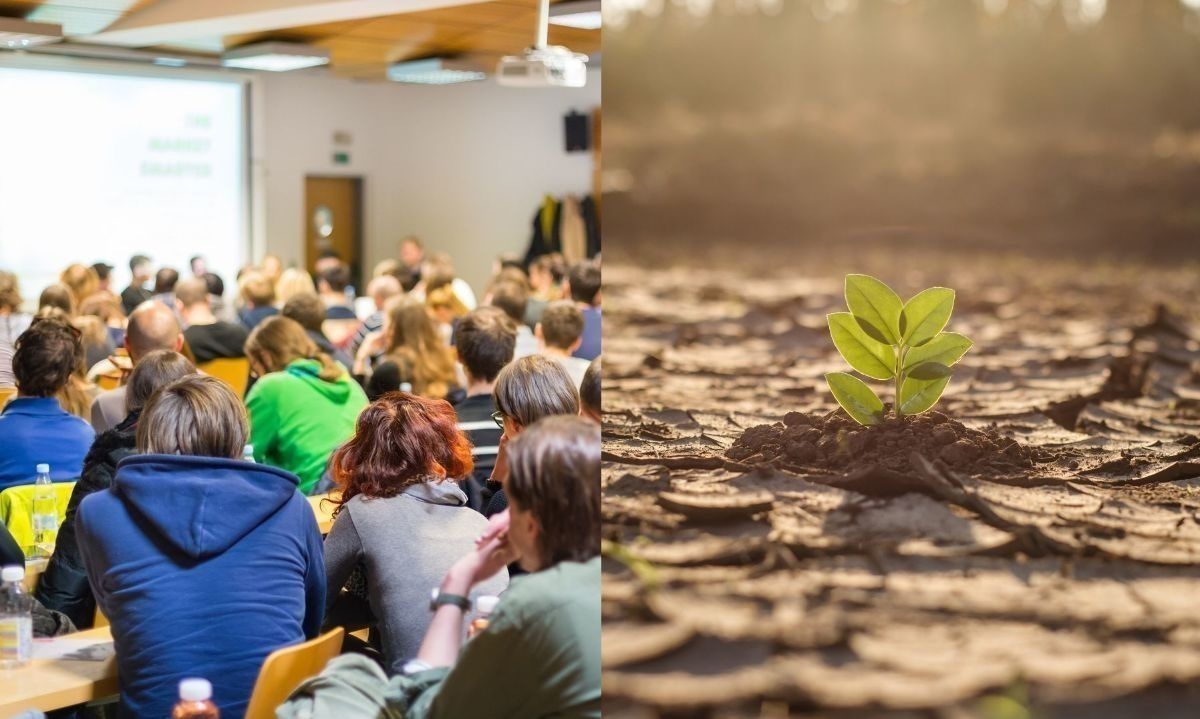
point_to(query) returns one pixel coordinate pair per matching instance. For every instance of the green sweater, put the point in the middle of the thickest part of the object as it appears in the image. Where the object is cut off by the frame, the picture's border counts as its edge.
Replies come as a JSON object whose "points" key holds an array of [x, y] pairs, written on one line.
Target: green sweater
{"points": [[539, 657], [297, 419]]}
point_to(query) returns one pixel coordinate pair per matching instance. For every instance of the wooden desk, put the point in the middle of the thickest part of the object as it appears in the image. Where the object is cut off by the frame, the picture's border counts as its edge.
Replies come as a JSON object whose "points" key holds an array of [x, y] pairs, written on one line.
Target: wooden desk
{"points": [[53, 684]]}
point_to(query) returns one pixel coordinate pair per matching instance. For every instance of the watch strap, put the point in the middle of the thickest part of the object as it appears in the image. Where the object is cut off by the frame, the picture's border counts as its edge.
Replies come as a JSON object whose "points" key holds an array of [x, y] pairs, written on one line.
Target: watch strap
{"points": [[443, 598]]}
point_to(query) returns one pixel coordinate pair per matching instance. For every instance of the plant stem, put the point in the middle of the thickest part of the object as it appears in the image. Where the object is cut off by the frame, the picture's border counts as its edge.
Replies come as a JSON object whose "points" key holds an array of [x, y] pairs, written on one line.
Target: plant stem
{"points": [[900, 351]]}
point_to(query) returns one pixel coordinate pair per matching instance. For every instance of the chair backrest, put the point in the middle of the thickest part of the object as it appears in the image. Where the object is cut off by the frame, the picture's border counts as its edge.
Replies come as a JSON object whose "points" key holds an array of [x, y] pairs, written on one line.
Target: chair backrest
{"points": [[285, 668], [233, 371], [108, 381], [7, 393]]}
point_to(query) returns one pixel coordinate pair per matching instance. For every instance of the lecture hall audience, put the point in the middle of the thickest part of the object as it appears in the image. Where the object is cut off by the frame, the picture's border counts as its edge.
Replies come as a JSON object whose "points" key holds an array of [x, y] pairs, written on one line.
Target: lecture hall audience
{"points": [[476, 458]]}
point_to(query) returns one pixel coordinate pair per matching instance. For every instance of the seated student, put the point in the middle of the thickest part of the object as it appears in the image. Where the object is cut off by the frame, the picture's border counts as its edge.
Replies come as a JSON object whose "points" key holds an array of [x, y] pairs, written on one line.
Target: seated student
{"points": [[34, 428], [446, 310], [57, 297], [208, 337], [258, 293], [136, 293], [292, 282], [584, 283], [203, 563], [414, 354], [380, 290], [307, 309], [331, 285], [107, 308], [539, 656], [164, 286], [484, 340], [559, 334], [63, 586], [12, 323], [526, 390], [589, 393], [401, 515], [303, 405], [511, 296], [152, 326]]}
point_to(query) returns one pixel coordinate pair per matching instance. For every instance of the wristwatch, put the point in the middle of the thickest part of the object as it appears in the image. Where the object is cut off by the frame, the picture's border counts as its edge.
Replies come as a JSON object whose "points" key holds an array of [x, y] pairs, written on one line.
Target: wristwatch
{"points": [[438, 598]]}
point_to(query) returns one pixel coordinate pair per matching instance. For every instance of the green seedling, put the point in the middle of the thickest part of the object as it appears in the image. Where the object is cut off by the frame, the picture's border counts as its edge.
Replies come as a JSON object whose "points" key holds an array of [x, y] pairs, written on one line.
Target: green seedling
{"points": [[886, 339]]}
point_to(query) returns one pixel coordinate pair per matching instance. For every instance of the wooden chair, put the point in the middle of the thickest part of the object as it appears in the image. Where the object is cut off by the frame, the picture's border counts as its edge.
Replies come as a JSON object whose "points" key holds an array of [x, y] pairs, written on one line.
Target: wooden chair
{"points": [[285, 668], [233, 371], [108, 381], [6, 393]]}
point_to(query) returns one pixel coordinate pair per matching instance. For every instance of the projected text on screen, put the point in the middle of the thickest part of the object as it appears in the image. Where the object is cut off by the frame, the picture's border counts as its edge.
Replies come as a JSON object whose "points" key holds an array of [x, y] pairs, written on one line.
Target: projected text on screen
{"points": [[100, 167]]}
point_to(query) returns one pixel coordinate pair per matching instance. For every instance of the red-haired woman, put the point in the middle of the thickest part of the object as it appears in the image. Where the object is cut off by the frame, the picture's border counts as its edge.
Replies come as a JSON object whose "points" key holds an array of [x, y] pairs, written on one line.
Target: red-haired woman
{"points": [[402, 515]]}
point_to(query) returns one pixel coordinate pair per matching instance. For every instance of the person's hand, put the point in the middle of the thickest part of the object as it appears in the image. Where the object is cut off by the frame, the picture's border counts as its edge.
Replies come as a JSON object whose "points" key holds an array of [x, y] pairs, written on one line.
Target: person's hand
{"points": [[497, 526], [369, 347], [500, 469], [483, 563]]}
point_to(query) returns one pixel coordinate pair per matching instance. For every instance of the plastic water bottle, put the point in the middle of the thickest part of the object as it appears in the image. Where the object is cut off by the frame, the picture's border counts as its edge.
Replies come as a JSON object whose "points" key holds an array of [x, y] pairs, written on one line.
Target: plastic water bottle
{"points": [[16, 619], [195, 701], [45, 513], [484, 606], [248, 453]]}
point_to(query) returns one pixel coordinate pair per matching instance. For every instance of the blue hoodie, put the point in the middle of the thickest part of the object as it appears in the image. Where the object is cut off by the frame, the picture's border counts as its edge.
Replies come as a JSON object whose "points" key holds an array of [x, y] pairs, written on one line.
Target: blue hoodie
{"points": [[203, 566]]}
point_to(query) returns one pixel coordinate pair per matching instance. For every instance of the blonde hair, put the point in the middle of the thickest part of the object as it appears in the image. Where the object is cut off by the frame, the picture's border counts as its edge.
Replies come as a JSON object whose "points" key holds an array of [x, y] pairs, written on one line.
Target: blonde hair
{"points": [[445, 297], [81, 281], [10, 291], [415, 345], [291, 283], [256, 289], [279, 341]]}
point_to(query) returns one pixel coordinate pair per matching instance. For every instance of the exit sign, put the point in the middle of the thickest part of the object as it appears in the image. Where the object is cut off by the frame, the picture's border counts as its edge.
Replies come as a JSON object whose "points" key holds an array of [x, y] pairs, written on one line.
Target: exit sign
{"points": [[341, 158]]}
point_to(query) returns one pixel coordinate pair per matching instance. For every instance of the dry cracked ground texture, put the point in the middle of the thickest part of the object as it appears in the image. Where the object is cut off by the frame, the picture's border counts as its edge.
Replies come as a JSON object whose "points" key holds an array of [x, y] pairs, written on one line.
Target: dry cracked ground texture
{"points": [[1069, 589]]}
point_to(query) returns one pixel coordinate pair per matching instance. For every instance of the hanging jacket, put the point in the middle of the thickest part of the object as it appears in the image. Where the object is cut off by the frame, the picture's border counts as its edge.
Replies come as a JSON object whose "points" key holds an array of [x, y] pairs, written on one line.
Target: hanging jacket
{"points": [[204, 566], [573, 231], [297, 419], [546, 225], [591, 223]]}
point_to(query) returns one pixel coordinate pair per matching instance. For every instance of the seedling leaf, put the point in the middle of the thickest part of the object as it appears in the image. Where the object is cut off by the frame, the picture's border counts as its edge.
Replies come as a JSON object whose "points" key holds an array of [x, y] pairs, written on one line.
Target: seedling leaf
{"points": [[918, 395], [864, 354], [855, 397], [947, 348], [873, 301], [872, 331], [926, 314], [929, 370]]}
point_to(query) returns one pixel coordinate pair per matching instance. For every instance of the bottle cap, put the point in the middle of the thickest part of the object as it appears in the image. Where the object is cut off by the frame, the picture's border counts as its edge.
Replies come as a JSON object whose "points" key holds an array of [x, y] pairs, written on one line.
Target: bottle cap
{"points": [[12, 573], [195, 690], [43, 468], [486, 604]]}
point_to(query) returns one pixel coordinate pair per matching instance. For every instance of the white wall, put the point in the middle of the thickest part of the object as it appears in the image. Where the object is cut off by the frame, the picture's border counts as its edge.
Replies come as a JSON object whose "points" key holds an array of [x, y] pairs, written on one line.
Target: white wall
{"points": [[463, 167]]}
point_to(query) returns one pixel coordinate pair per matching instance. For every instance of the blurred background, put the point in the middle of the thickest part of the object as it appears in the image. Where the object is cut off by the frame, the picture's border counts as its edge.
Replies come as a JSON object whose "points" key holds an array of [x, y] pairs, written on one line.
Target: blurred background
{"points": [[1067, 127]]}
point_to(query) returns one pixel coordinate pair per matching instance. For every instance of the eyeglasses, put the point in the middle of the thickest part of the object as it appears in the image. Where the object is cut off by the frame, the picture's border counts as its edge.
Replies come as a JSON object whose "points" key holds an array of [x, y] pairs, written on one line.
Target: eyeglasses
{"points": [[498, 418]]}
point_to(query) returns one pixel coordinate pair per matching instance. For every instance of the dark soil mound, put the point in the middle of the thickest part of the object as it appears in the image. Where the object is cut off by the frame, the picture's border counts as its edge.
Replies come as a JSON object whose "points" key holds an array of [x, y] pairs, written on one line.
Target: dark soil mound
{"points": [[834, 442]]}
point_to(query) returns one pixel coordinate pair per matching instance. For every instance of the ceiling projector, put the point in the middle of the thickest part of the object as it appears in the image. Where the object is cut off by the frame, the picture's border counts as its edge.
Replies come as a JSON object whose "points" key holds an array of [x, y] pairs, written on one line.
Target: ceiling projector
{"points": [[543, 66]]}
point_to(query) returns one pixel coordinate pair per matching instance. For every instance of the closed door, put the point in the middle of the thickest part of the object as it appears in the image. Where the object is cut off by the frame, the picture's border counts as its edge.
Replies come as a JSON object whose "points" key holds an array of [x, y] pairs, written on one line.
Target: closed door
{"points": [[333, 220]]}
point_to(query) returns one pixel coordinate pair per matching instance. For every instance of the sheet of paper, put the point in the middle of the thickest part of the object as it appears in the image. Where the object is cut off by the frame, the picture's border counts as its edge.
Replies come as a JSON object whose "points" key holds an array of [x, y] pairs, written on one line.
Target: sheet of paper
{"points": [[85, 650]]}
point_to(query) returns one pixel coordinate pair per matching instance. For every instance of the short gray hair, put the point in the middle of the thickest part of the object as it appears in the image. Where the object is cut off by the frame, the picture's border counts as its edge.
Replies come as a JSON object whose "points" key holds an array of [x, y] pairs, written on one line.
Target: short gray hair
{"points": [[534, 387], [195, 415]]}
